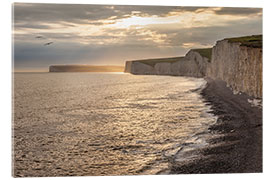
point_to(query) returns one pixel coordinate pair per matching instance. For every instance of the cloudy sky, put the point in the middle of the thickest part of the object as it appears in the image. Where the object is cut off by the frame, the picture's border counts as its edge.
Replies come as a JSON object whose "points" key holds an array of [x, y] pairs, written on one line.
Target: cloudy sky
{"points": [[112, 34]]}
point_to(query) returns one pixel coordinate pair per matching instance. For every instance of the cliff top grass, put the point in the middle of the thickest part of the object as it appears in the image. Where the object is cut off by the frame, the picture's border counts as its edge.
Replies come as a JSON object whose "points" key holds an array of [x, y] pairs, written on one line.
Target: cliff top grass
{"points": [[205, 52], [152, 62], [254, 41]]}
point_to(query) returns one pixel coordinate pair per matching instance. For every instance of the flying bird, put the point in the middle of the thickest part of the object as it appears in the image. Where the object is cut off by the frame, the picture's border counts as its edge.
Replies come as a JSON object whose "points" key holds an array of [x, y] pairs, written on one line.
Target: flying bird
{"points": [[40, 37], [47, 44]]}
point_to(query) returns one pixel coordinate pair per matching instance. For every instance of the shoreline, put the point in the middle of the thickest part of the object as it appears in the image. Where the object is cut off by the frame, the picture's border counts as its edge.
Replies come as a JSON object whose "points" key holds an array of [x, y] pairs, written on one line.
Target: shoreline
{"points": [[234, 143]]}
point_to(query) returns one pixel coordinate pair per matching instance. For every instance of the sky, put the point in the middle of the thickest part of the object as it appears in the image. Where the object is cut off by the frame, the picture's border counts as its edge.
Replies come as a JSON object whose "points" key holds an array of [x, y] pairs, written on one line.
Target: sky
{"points": [[113, 34]]}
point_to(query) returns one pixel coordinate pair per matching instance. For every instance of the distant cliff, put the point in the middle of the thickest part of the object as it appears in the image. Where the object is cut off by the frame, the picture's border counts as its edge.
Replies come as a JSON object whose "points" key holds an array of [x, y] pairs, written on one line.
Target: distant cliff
{"points": [[85, 68], [135, 67], [237, 61], [193, 64], [151, 66]]}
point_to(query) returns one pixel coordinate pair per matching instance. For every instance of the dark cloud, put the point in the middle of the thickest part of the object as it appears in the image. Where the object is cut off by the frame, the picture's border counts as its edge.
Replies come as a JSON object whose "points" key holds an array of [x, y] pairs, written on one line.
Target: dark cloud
{"points": [[52, 13], [238, 11], [86, 14], [177, 35], [76, 13], [32, 26], [114, 45], [33, 54]]}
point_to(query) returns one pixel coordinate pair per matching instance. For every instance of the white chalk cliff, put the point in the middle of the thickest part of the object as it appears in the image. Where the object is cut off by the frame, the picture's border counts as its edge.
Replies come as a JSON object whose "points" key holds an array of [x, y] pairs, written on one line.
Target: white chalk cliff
{"points": [[239, 65]]}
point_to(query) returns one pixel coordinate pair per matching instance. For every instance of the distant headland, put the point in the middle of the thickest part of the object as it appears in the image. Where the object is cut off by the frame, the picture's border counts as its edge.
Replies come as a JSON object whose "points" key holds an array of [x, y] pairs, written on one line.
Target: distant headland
{"points": [[85, 68]]}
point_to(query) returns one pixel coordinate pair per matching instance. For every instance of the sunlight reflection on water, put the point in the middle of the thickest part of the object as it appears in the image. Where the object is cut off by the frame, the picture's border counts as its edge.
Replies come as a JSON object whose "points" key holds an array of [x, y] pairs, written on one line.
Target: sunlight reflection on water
{"points": [[102, 123]]}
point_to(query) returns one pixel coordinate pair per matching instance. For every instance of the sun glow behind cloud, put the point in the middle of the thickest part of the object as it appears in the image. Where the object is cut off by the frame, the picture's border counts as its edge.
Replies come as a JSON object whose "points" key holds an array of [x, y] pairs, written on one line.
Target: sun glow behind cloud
{"points": [[96, 33], [143, 21], [199, 18], [136, 22]]}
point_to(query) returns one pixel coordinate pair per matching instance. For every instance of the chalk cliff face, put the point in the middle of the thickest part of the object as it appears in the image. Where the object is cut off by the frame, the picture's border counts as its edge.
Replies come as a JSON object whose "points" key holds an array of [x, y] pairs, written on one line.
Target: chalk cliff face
{"points": [[200, 63], [186, 67], [239, 66], [134, 67], [193, 64], [163, 68], [237, 61]]}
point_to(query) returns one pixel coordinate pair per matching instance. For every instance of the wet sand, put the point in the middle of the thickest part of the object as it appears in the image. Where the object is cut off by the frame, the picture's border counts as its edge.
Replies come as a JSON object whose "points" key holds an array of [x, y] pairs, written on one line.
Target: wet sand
{"points": [[235, 143]]}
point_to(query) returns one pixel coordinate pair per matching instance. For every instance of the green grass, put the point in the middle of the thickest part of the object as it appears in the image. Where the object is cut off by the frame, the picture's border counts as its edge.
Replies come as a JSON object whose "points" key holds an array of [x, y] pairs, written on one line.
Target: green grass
{"points": [[254, 41], [152, 62], [206, 52]]}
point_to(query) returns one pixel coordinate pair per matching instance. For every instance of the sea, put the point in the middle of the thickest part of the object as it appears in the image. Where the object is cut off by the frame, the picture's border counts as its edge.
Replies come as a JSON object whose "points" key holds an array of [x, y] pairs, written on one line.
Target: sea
{"points": [[96, 124]]}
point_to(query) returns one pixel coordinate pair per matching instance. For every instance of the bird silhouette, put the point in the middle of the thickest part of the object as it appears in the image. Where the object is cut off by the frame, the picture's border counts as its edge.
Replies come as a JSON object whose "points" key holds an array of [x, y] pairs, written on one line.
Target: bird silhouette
{"points": [[40, 37], [47, 44]]}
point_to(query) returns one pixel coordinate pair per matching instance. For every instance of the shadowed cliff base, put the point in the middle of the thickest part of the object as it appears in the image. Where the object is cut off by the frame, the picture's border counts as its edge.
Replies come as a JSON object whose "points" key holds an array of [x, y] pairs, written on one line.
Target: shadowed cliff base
{"points": [[235, 143]]}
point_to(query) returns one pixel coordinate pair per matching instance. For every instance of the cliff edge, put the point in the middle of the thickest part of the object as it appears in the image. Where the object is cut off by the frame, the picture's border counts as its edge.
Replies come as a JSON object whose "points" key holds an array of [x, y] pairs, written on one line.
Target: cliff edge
{"points": [[237, 61]]}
